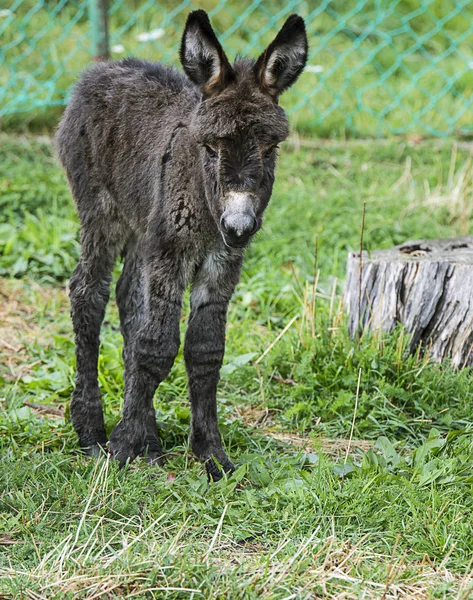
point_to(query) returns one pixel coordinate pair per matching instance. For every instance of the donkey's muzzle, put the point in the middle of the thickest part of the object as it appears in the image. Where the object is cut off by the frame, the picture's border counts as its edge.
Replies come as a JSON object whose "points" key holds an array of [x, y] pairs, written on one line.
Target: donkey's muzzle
{"points": [[238, 227]]}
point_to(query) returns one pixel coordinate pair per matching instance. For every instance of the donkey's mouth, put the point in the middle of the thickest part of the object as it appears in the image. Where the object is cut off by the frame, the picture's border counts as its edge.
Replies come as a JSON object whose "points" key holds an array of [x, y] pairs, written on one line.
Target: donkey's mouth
{"points": [[235, 244]]}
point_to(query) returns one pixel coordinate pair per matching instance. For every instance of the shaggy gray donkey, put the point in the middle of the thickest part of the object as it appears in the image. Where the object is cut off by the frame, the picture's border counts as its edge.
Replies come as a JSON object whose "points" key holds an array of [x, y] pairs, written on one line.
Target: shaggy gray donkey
{"points": [[174, 172]]}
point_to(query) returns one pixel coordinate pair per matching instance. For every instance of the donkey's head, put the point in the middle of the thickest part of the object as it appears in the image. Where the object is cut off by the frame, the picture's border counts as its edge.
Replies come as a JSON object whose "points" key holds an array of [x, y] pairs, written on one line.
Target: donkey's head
{"points": [[239, 124]]}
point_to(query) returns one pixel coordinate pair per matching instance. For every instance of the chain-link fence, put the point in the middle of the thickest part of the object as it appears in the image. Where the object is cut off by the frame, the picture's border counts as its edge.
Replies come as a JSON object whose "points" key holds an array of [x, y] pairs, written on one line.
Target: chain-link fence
{"points": [[375, 67]]}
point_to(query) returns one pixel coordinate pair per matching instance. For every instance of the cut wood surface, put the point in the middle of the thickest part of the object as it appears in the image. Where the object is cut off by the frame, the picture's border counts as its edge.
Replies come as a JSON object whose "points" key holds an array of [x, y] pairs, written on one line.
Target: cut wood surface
{"points": [[425, 285]]}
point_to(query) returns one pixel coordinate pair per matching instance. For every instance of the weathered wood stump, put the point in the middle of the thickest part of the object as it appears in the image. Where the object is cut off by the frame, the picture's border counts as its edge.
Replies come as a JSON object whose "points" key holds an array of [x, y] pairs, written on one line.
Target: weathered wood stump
{"points": [[425, 285]]}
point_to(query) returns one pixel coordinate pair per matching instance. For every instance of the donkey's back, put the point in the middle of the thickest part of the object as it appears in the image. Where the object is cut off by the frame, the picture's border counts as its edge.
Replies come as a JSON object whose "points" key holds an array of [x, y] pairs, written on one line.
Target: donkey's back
{"points": [[117, 127]]}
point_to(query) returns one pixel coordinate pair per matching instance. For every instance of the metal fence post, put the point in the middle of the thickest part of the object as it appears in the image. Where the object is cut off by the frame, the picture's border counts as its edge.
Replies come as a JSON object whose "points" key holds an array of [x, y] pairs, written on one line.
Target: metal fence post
{"points": [[98, 16]]}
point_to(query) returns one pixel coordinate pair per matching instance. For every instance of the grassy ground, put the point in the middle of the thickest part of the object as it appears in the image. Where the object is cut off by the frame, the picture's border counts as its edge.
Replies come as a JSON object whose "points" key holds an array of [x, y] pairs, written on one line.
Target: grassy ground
{"points": [[354, 474], [374, 68]]}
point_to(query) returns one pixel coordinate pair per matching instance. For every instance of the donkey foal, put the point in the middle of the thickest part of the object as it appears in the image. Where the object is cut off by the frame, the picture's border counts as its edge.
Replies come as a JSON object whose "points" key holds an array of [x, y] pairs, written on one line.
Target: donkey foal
{"points": [[174, 173]]}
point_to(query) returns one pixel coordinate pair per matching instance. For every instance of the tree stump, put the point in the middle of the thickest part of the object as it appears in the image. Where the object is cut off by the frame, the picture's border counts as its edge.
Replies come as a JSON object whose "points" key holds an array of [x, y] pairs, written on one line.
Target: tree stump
{"points": [[425, 285]]}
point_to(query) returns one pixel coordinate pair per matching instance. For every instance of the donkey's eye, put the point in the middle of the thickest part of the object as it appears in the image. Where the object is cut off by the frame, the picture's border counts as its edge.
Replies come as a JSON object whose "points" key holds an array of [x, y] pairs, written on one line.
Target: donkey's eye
{"points": [[269, 151], [211, 152]]}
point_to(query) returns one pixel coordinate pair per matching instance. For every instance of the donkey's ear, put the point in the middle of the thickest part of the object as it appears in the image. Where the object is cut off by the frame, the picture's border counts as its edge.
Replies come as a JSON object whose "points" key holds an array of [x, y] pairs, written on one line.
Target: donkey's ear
{"points": [[202, 56], [284, 59]]}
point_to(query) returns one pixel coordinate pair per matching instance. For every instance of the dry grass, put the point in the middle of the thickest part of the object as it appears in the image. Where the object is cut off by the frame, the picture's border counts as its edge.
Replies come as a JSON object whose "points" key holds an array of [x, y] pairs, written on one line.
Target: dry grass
{"points": [[319, 568], [453, 192]]}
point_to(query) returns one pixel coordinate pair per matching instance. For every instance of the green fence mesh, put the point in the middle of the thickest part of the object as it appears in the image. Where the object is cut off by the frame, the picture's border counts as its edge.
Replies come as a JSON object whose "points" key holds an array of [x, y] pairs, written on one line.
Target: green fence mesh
{"points": [[376, 68]]}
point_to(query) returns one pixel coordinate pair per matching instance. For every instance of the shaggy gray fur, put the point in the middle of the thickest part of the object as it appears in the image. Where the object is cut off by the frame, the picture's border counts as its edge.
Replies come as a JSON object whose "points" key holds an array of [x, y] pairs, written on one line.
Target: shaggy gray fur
{"points": [[174, 173]]}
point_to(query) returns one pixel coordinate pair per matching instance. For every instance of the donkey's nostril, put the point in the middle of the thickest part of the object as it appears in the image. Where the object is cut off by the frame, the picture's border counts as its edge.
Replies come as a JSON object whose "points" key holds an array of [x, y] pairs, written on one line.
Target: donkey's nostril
{"points": [[252, 226]]}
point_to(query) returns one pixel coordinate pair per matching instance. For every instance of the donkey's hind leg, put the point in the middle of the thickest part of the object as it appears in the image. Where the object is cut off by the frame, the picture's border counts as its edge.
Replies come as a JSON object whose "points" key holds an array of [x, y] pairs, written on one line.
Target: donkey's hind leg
{"points": [[89, 294], [130, 300]]}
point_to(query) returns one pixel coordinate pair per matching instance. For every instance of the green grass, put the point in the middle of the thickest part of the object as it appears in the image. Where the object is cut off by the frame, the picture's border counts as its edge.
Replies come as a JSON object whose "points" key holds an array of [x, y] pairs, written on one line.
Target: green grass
{"points": [[312, 510], [382, 68]]}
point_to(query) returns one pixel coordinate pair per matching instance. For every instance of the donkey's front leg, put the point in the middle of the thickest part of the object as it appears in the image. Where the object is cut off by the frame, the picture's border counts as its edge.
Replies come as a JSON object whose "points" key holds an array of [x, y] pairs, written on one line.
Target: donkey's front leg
{"points": [[204, 350], [149, 359]]}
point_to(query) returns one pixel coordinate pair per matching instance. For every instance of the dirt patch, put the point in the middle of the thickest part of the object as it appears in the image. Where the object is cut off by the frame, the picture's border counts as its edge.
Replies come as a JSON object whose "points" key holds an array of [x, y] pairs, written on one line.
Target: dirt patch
{"points": [[333, 446], [25, 309], [263, 422]]}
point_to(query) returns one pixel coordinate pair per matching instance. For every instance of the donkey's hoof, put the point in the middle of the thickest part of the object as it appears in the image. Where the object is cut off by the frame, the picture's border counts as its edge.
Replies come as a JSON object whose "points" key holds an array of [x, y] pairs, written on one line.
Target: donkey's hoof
{"points": [[122, 454], [93, 442], [154, 458], [123, 446], [153, 452], [95, 451], [214, 473]]}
